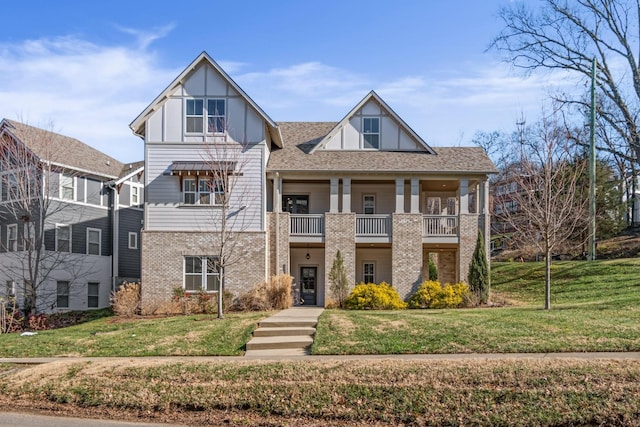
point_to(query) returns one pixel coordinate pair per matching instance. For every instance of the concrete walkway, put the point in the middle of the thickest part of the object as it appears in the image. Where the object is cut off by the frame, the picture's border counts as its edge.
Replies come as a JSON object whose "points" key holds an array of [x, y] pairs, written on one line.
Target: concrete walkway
{"points": [[289, 332]]}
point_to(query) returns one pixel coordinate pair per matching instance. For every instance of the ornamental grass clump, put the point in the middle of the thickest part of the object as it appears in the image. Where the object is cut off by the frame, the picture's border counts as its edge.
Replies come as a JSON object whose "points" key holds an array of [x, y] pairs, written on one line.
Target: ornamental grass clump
{"points": [[370, 296], [432, 295]]}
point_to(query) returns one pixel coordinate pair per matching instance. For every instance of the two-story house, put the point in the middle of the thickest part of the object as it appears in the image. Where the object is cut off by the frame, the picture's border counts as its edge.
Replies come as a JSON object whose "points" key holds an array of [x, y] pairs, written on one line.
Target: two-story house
{"points": [[70, 220], [367, 185]]}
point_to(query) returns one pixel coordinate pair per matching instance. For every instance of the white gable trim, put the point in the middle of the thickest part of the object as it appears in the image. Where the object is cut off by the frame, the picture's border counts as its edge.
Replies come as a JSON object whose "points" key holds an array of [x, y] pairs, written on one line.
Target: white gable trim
{"points": [[137, 125], [372, 96]]}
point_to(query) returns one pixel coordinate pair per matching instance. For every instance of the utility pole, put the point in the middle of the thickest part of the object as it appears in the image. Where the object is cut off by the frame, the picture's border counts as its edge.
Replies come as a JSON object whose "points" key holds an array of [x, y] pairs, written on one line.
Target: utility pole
{"points": [[592, 167]]}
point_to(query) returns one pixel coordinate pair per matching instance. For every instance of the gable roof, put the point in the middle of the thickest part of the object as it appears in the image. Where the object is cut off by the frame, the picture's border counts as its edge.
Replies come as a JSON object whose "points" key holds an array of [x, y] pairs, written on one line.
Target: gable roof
{"points": [[138, 124], [299, 155], [375, 97], [62, 150]]}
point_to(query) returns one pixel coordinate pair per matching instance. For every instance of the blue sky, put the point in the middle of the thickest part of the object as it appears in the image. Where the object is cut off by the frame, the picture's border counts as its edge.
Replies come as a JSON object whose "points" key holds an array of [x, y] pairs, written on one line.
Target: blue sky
{"points": [[87, 69]]}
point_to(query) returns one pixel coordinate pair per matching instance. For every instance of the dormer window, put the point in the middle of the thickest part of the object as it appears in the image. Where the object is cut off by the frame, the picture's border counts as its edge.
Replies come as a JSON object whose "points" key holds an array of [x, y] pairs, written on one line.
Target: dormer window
{"points": [[213, 109], [371, 132]]}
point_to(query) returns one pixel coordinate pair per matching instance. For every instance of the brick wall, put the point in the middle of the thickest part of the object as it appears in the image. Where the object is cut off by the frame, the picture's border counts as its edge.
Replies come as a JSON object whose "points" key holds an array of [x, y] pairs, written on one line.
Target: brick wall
{"points": [[163, 266], [340, 233], [406, 253], [447, 267], [281, 242], [468, 237]]}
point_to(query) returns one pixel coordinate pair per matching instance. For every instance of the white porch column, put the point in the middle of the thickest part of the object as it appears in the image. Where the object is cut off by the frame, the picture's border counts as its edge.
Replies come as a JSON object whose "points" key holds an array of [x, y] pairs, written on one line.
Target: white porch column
{"points": [[333, 195], [463, 195], [399, 195], [346, 195], [415, 195], [277, 193], [485, 197]]}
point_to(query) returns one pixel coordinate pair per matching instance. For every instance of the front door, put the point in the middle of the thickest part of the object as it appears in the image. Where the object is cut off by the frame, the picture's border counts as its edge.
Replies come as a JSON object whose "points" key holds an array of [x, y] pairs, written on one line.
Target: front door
{"points": [[308, 283]]}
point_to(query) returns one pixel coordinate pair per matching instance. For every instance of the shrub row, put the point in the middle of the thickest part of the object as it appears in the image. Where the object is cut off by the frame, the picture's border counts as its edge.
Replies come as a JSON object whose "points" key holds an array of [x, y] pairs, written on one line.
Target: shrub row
{"points": [[430, 294]]}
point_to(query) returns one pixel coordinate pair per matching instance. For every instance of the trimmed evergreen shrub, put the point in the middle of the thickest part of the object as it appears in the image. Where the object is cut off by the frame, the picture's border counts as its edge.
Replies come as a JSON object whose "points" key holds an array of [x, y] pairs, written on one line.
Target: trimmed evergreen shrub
{"points": [[338, 279], [370, 296]]}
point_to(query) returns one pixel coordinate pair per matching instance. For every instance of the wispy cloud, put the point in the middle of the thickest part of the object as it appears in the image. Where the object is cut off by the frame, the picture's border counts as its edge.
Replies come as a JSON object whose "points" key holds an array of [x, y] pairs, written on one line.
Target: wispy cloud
{"points": [[144, 37]]}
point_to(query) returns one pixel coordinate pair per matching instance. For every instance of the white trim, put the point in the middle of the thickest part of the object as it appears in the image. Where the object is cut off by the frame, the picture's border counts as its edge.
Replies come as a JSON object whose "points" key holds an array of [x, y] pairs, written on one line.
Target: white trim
{"points": [[57, 227], [89, 230], [203, 273], [9, 248], [137, 188], [135, 245]]}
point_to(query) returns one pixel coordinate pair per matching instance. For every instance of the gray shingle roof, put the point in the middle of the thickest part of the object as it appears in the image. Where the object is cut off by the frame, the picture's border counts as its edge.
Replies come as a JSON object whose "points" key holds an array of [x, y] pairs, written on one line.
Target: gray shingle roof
{"points": [[300, 137], [64, 150]]}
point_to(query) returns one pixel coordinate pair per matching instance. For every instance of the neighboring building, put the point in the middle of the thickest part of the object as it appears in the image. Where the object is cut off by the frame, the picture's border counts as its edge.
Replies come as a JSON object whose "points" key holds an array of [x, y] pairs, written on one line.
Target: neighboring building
{"points": [[91, 206], [368, 186]]}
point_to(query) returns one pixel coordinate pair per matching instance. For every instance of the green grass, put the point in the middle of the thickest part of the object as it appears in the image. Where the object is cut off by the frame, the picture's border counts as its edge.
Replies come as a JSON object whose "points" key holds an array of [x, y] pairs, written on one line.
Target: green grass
{"points": [[110, 336], [595, 307]]}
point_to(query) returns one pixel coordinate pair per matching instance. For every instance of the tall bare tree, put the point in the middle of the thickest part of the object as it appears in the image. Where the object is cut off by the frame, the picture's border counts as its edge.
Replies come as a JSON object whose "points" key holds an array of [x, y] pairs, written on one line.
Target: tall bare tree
{"points": [[28, 199], [549, 206], [567, 35]]}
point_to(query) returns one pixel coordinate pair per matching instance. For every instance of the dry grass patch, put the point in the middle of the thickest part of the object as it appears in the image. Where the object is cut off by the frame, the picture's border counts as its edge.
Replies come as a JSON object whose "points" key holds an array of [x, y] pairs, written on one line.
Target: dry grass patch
{"points": [[471, 392]]}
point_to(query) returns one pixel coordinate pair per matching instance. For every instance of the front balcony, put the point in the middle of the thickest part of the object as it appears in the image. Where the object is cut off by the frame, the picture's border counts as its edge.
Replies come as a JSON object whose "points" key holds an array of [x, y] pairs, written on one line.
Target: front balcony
{"points": [[372, 228]]}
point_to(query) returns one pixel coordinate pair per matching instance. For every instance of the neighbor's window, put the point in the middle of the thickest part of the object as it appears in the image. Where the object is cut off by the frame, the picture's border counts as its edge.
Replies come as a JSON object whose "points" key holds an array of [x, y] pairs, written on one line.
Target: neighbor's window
{"points": [[133, 240], [135, 195], [369, 204], [197, 191], [12, 237], [371, 132], [62, 294], [94, 241], [93, 295], [195, 115], [369, 272], [67, 188], [63, 238], [201, 272], [216, 115]]}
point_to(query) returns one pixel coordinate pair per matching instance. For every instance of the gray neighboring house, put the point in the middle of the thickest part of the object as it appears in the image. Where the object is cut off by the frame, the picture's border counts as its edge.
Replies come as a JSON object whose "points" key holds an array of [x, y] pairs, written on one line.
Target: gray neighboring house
{"points": [[91, 239], [367, 185]]}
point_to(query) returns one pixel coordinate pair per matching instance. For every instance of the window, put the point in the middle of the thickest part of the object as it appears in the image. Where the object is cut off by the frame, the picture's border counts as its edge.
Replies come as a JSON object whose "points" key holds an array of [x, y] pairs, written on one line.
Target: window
{"points": [[371, 132], [295, 204], [67, 187], [195, 115], [215, 115], [94, 239], [369, 204], [201, 272], [451, 206], [10, 188], [369, 272], [10, 290], [201, 194], [135, 196], [433, 205], [133, 240], [93, 295], [62, 294], [63, 238], [12, 237]]}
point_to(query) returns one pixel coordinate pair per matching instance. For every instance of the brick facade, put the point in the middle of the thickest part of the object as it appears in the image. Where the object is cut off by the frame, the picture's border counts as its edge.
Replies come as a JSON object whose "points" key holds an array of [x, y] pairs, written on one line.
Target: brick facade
{"points": [[340, 234], [406, 253], [468, 237], [447, 267], [163, 266], [278, 244]]}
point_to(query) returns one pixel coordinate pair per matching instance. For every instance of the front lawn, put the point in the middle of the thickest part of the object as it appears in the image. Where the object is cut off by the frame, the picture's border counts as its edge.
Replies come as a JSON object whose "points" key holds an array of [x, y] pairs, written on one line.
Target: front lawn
{"points": [[595, 307], [198, 335]]}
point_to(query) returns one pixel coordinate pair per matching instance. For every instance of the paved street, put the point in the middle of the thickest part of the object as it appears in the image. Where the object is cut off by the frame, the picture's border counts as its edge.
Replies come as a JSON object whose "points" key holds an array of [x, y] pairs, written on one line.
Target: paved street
{"points": [[14, 419]]}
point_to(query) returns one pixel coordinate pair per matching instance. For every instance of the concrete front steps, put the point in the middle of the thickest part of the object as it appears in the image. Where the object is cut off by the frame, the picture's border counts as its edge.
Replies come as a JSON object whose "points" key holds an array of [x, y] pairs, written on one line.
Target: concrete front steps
{"points": [[287, 333]]}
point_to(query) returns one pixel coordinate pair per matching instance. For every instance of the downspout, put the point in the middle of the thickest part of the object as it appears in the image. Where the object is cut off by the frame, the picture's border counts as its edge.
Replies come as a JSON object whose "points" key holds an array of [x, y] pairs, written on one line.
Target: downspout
{"points": [[115, 233], [277, 209]]}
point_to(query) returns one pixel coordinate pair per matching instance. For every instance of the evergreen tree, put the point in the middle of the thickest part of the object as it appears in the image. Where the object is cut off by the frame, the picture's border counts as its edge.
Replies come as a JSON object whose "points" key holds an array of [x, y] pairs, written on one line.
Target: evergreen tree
{"points": [[338, 279], [479, 271]]}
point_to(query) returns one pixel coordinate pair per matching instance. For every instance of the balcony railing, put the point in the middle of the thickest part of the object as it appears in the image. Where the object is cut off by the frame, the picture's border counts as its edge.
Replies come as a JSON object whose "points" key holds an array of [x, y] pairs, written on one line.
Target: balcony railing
{"points": [[306, 225], [373, 225], [439, 225]]}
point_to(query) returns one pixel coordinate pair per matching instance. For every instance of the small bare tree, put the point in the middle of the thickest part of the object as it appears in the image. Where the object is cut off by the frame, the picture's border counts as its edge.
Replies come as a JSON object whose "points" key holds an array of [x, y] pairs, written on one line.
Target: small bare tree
{"points": [[550, 203], [232, 195], [27, 199]]}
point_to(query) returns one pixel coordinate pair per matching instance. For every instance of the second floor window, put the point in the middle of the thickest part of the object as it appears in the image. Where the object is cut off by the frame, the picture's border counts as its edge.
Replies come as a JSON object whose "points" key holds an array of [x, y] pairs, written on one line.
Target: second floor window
{"points": [[195, 115], [63, 238], [369, 204], [135, 196], [214, 110], [371, 132], [93, 241], [215, 115], [203, 191], [12, 237]]}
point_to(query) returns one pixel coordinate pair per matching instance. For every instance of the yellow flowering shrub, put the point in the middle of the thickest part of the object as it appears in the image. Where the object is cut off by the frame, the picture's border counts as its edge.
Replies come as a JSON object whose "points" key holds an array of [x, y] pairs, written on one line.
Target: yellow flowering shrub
{"points": [[370, 296], [432, 295]]}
